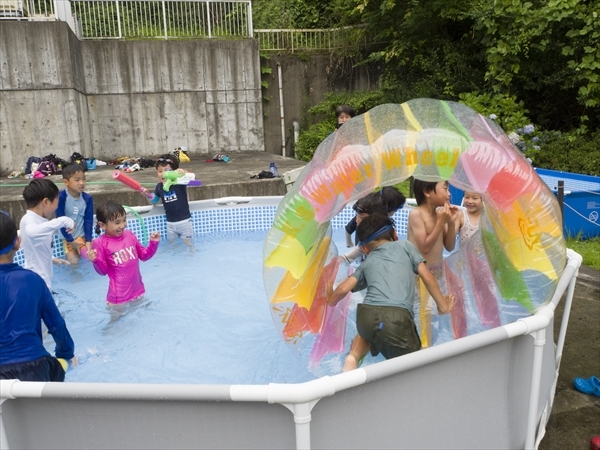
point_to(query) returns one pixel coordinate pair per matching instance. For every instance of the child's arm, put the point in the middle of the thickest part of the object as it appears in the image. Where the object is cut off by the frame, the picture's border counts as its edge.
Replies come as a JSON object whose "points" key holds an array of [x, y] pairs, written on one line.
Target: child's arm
{"points": [[145, 253], [349, 242], [60, 212], [341, 291], [423, 241], [57, 328], [444, 303], [353, 254], [41, 230], [88, 220], [98, 258], [450, 230]]}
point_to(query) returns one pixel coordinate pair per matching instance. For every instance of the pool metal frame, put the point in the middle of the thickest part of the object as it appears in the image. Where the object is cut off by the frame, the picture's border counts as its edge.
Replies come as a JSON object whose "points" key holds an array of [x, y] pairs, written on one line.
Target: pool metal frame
{"points": [[494, 389]]}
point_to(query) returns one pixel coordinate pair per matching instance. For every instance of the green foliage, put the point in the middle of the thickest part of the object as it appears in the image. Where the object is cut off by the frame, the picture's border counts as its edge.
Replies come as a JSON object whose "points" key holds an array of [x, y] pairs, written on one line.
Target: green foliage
{"points": [[309, 140], [505, 110], [324, 112], [588, 249], [567, 152]]}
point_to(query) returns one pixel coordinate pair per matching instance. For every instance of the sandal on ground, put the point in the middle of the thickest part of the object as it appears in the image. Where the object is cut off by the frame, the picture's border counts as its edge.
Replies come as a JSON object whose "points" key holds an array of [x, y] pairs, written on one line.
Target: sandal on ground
{"points": [[590, 386]]}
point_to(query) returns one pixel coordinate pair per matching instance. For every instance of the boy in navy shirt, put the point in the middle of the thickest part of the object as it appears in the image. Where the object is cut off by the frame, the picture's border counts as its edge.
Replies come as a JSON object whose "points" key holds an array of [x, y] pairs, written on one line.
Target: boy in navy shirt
{"points": [[73, 202], [175, 202], [26, 302]]}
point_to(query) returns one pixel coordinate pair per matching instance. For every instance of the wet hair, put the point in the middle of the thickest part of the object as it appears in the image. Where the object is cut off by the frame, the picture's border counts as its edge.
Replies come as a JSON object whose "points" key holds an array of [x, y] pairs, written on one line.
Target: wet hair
{"points": [[167, 160], [70, 170], [374, 223], [37, 190], [8, 232], [372, 203], [393, 197], [344, 109], [421, 187], [107, 211]]}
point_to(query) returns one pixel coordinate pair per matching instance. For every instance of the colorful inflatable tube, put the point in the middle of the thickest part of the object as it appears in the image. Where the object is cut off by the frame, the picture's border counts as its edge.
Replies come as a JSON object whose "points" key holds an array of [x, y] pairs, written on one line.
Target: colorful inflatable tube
{"points": [[433, 141]]}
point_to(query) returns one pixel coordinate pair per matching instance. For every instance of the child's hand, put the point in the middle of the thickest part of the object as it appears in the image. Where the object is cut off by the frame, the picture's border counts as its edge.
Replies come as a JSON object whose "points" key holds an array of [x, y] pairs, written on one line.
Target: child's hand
{"points": [[74, 361], [447, 305], [92, 255], [443, 213], [147, 193], [181, 171], [155, 236], [60, 261], [454, 211]]}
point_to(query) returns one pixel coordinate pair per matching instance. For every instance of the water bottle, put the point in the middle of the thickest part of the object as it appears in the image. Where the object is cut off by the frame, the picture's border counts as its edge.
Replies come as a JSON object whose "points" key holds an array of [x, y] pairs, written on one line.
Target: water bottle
{"points": [[273, 169]]}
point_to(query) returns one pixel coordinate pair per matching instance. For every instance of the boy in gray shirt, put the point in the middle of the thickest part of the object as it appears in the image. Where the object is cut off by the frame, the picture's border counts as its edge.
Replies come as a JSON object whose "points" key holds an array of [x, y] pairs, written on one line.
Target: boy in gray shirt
{"points": [[385, 320]]}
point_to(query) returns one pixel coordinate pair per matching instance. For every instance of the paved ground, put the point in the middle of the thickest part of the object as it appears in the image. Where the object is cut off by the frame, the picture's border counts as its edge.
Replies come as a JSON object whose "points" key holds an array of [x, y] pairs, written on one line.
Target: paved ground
{"points": [[575, 417], [219, 179]]}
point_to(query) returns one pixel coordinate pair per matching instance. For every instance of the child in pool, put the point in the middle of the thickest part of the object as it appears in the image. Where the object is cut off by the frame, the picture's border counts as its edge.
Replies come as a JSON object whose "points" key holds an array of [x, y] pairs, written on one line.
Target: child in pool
{"points": [[117, 253], [431, 228], [364, 207], [394, 200], [469, 219], [37, 230], [175, 202], [26, 302], [343, 114], [73, 202], [385, 319]]}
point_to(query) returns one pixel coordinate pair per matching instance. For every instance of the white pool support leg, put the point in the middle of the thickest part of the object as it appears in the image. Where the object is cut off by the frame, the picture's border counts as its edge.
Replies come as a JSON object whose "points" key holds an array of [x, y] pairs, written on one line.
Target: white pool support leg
{"points": [[302, 419], [534, 394], [565, 320], [3, 440]]}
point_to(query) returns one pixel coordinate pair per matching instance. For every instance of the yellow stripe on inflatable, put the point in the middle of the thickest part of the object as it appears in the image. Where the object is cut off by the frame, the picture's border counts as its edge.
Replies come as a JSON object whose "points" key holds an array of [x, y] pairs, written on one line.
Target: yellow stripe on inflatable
{"points": [[302, 290], [521, 238], [290, 255], [409, 116]]}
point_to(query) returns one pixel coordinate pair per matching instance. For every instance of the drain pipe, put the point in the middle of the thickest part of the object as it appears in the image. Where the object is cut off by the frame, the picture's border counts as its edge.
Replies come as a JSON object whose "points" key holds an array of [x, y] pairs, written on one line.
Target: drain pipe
{"points": [[281, 109], [296, 136]]}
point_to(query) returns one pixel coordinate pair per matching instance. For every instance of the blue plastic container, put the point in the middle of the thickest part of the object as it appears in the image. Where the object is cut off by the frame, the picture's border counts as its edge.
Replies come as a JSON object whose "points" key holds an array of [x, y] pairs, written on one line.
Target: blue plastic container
{"points": [[581, 201]]}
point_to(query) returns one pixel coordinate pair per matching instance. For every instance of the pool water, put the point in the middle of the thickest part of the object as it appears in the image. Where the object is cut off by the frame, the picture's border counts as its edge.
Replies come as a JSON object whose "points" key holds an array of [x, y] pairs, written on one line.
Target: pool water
{"points": [[204, 319]]}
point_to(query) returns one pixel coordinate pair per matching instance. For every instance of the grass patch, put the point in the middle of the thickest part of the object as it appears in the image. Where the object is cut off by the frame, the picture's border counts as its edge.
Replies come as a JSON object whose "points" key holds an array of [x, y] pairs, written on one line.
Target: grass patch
{"points": [[588, 249]]}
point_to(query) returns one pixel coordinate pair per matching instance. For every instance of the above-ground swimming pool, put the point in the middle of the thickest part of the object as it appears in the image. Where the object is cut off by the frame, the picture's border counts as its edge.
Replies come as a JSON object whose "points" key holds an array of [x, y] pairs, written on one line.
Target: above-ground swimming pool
{"points": [[493, 389]]}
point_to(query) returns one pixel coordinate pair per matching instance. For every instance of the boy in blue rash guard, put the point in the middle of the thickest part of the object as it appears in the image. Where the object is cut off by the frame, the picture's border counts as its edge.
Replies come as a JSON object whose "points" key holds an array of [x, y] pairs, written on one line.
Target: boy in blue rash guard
{"points": [[175, 202], [79, 206], [25, 302], [385, 320]]}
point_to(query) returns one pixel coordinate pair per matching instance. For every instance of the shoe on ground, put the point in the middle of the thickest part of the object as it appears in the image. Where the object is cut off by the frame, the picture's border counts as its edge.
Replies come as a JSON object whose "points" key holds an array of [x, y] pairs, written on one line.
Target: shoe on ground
{"points": [[590, 386]]}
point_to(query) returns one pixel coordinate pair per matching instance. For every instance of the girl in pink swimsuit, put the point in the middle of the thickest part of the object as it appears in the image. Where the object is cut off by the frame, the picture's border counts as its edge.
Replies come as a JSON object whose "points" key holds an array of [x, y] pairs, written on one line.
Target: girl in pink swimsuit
{"points": [[117, 253]]}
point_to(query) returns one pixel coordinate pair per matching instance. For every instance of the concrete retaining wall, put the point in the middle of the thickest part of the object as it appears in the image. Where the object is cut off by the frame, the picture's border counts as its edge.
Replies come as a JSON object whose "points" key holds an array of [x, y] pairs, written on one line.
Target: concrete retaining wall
{"points": [[114, 98], [305, 81]]}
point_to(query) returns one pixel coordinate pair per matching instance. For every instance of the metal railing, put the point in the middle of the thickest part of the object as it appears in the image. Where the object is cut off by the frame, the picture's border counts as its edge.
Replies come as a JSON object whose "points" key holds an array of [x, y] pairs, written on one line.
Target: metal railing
{"points": [[294, 40], [116, 19], [29, 9]]}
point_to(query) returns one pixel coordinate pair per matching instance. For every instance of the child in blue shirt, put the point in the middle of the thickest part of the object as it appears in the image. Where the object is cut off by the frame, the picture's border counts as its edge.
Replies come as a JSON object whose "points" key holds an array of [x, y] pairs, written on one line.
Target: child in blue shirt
{"points": [[26, 302], [73, 202], [175, 202]]}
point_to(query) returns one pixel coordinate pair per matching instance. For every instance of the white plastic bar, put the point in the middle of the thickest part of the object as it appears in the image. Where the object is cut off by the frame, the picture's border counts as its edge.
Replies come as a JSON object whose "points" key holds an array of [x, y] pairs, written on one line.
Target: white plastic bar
{"points": [[534, 391]]}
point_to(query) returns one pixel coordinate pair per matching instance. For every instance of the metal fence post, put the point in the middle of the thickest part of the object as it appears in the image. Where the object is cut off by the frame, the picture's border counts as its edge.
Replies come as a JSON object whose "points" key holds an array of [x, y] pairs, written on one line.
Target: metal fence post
{"points": [[119, 19], [164, 18], [249, 19], [561, 198], [208, 18]]}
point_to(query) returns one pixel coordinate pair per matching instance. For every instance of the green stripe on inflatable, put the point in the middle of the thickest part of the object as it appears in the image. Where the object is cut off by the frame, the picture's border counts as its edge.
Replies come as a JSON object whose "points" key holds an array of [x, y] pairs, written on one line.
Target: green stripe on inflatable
{"points": [[463, 131], [296, 218], [509, 280]]}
